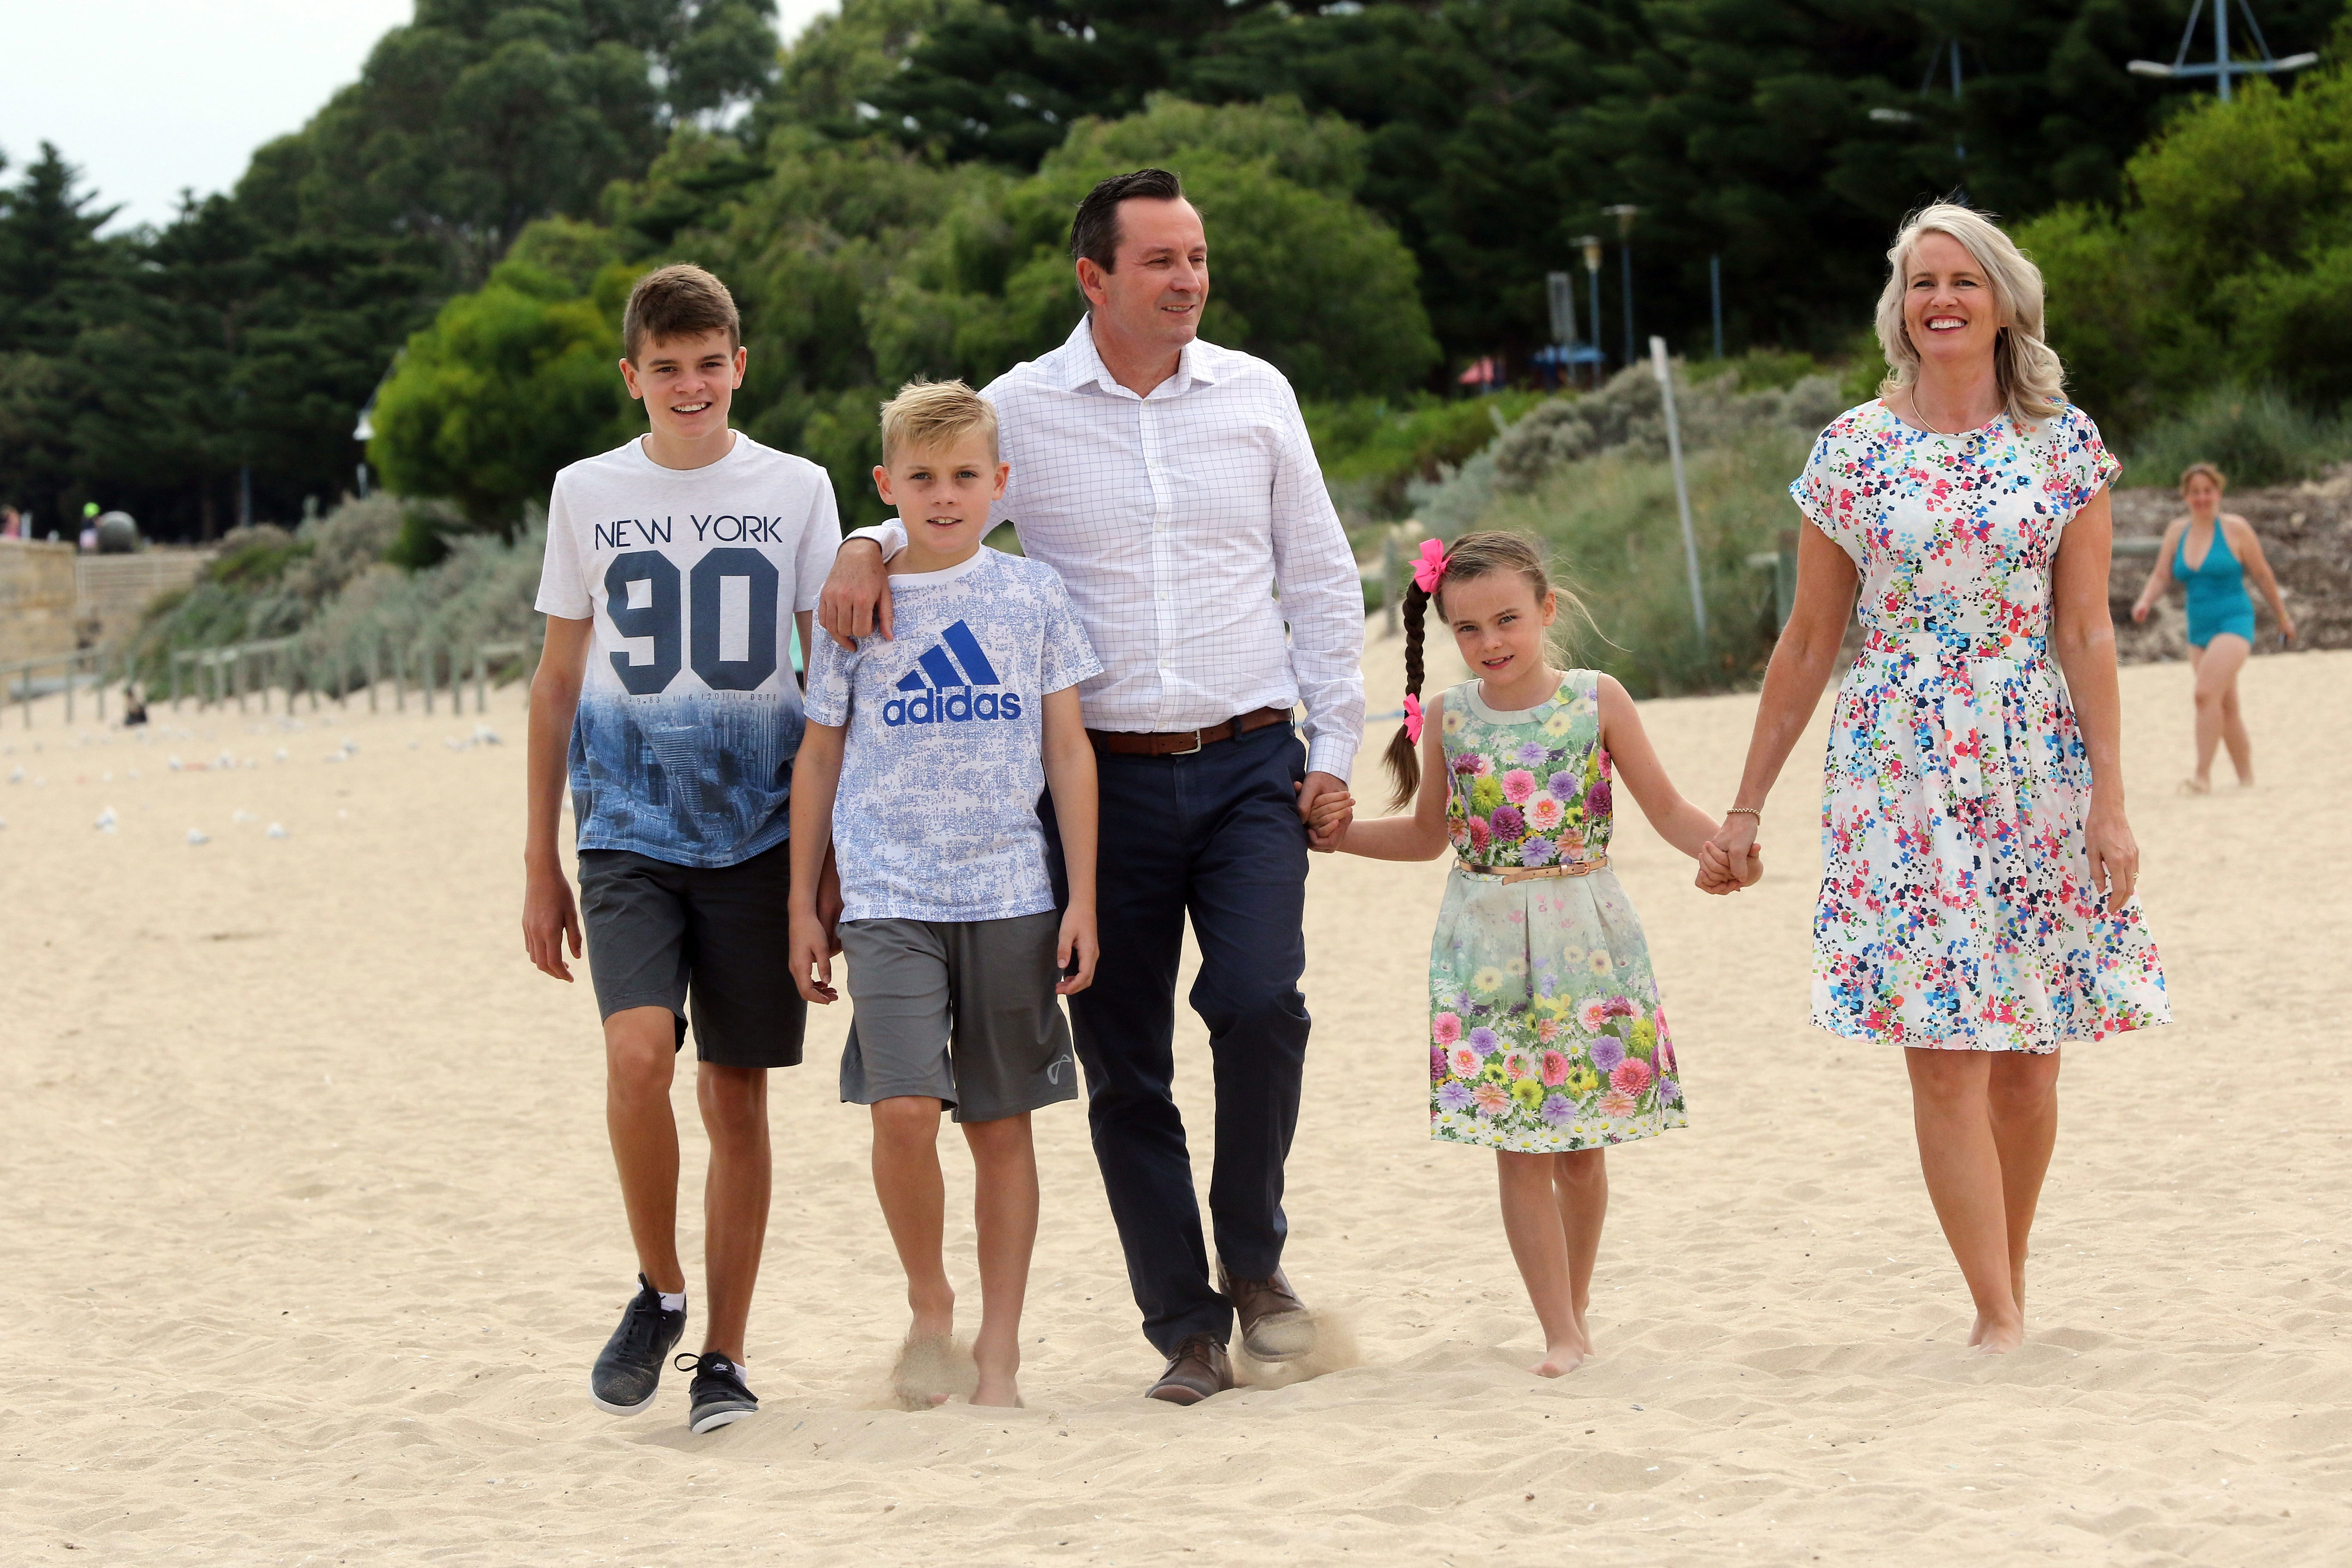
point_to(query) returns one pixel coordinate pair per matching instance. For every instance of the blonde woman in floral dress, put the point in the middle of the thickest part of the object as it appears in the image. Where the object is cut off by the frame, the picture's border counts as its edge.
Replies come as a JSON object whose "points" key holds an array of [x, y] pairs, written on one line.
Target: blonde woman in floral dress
{"points": [[1547, 1042], [1976, 901]]}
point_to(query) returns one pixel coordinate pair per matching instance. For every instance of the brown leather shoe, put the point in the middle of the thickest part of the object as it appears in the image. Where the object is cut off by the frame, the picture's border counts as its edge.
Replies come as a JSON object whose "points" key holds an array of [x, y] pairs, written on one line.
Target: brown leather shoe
{"points": [[1197, 1369], [1275, 1324]]}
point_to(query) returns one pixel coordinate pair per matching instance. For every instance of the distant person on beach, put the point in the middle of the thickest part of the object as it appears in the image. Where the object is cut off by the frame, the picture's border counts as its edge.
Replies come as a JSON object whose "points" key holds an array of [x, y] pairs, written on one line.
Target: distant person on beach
{"points": [[1976, 899], [936, 746], [12, 523], [1546, 1043], [1172, 485], [2221, 615], [677, 567]]}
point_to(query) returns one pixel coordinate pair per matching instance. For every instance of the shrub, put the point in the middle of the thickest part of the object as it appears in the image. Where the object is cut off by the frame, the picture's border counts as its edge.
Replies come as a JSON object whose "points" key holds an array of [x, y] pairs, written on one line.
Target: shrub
{"points": [[2257, 436], [1614, 536], [1371, 449]]}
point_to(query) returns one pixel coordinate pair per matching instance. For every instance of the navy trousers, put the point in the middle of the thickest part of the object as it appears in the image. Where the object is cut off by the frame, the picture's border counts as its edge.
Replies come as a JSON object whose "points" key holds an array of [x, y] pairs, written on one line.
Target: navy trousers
{"points": [[1215, 836]]}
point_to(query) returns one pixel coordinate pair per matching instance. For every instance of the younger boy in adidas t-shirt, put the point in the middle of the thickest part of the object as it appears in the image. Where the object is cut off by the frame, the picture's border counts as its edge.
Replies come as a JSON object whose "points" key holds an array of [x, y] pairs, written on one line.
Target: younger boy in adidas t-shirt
{"points": [[677, 567], [922, 765]]}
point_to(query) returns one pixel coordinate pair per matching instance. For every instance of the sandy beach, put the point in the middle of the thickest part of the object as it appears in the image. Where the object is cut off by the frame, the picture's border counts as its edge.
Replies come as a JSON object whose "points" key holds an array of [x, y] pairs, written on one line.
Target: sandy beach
{"points": [[313, 1230]]}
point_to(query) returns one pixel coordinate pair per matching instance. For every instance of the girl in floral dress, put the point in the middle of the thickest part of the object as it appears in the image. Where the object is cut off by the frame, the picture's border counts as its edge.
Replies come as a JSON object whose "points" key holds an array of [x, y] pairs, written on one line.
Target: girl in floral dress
{"points": [[1547, 1042], [1976, 900]]}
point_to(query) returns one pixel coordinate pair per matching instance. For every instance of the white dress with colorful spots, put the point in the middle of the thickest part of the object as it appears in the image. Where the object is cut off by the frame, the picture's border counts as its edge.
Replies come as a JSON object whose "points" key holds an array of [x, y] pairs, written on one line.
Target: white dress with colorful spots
{"points": [[1956, 910], [1545, 1030]]}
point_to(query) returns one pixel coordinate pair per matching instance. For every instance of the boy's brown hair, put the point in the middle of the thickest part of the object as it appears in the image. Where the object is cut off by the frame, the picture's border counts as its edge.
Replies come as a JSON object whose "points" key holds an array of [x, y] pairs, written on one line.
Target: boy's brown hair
{"points": [[929, 414], [678, 301]]}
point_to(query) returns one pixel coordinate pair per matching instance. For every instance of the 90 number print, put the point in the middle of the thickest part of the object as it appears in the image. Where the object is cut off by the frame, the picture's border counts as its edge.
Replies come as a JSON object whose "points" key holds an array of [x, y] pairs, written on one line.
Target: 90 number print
{"points": [[658, 618]]}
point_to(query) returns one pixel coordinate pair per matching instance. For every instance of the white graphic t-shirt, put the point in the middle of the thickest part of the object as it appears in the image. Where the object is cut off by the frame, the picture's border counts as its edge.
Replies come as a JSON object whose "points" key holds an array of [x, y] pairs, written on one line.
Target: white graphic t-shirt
{"points": [[690, 713], [937, 816]]}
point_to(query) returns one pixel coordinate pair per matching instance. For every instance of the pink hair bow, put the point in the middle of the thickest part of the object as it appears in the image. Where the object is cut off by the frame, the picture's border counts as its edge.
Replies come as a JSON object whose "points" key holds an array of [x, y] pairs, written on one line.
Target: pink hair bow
{"points": [[1429, 567], [1412, 719]]}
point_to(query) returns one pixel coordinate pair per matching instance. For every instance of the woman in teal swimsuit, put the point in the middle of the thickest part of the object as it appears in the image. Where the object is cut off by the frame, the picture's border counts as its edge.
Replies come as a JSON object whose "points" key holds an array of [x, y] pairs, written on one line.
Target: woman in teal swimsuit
{"points": [[2213, 553]]}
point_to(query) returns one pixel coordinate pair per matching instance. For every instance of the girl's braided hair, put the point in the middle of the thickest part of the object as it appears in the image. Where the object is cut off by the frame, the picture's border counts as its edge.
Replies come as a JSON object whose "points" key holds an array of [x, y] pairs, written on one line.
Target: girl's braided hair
{"points": [[1472, 555]]}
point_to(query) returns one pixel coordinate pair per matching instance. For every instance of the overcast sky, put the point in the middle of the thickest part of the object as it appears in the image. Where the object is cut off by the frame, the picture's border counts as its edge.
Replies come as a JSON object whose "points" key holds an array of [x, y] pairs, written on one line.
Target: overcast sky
{"points": [[150, 96]]}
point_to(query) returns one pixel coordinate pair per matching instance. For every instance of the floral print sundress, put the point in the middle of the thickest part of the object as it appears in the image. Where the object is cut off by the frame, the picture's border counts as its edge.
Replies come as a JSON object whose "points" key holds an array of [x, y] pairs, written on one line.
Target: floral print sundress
{"points": [[1544, 1026], [1956, 909]]}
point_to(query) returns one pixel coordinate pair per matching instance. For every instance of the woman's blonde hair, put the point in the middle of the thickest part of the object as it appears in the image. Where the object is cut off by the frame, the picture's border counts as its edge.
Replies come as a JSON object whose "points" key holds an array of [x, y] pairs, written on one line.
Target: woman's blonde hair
{"points": [[2209, 471], [2032, 382]]}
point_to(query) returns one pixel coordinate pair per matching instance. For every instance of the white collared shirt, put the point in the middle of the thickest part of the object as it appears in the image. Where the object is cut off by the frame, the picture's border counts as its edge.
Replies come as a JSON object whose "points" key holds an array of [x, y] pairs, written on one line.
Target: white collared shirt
{"points": [[1173, 520]]}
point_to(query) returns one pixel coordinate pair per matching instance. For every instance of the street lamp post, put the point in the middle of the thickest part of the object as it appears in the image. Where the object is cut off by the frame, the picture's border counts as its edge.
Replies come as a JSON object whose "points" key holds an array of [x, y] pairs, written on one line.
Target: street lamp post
{"points": [[1623, 212], [1715, 298], [1590, 245]]}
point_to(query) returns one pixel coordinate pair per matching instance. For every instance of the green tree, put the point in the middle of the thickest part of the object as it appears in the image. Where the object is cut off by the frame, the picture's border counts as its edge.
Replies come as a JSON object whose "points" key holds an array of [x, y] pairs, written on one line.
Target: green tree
{"points": [[2227, 263], [482, 115], [1004, 83], [1301, 274], [506, 385], [57, 278]]}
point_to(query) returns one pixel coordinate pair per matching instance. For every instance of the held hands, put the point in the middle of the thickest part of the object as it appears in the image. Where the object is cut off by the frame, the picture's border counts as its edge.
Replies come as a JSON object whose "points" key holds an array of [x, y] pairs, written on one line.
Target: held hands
{"points": [[1327, 808], [1075, 956], [1328, 819], [548, 916], [1732, 859]]}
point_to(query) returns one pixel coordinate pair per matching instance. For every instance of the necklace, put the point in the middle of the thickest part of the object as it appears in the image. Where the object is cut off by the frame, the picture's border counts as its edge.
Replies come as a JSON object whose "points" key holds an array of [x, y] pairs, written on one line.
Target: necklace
{"points": [[1912, 395]]}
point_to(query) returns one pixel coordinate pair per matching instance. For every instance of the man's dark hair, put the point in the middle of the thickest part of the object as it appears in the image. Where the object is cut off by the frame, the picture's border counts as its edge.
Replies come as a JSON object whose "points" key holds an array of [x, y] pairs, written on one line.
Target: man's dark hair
{"points": [[1094, 233]]}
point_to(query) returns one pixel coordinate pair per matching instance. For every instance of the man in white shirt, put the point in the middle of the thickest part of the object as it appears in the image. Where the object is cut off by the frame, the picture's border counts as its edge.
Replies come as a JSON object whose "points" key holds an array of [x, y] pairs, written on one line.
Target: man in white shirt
{"points": [[1172, 484]]}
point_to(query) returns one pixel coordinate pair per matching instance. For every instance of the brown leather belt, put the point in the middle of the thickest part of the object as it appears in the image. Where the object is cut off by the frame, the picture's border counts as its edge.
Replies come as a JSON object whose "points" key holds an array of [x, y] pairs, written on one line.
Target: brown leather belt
{"points": [[1183, 743]]}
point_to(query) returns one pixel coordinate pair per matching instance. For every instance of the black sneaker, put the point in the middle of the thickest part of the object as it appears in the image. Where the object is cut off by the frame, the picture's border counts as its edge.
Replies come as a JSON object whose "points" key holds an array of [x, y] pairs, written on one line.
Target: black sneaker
{"points": [[630, 1367], [718, 1394]]}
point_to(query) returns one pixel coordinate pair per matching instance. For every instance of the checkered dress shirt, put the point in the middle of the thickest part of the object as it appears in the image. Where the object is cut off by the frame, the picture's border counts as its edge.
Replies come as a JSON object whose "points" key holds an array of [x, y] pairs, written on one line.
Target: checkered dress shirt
{"points": [[1174, 519]]}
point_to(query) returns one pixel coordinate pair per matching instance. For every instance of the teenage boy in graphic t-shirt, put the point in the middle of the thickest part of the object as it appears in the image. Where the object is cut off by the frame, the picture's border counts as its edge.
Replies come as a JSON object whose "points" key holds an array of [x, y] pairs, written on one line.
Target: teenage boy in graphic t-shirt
{"points": [[678, 568], [924, 760]]}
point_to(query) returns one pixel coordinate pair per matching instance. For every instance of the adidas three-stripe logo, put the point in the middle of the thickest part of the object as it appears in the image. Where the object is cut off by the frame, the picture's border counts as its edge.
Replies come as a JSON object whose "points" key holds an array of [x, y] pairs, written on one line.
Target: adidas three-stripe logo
{"points": [[951, 683]]}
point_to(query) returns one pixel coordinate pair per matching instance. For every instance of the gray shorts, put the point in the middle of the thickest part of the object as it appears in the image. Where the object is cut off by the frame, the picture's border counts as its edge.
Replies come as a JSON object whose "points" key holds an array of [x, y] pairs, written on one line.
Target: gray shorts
{"points": [[657, 932], [958, 1011]]}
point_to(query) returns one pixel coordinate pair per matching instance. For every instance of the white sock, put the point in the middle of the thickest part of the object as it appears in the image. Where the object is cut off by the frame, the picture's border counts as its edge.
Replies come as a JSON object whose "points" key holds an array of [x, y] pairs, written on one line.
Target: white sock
{"points": [[673, 1301]]}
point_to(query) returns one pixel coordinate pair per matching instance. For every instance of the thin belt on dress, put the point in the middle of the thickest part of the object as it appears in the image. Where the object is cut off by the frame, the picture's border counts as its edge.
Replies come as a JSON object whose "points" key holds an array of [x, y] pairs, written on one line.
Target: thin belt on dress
{"points": [[1528, 873]]}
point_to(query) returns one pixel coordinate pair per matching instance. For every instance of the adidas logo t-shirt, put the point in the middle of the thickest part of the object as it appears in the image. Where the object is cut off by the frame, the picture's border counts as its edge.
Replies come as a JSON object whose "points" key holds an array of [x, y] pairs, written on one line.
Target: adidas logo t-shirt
{"points": [[937, 815], [690, 713]]}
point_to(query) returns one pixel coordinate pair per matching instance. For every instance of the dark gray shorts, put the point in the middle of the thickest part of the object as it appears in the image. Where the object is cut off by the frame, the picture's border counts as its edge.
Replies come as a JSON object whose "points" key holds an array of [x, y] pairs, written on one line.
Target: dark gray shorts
{"points": [[658, 931], [958, 1011]]}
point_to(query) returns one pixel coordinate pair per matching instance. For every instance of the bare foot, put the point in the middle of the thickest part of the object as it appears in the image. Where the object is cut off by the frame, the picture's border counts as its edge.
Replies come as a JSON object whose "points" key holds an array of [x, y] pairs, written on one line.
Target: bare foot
{"points": [[1560, 1359], [929, 1369], [1997, 1336], [2197, 786], [998, 1372], [993, 1390]]}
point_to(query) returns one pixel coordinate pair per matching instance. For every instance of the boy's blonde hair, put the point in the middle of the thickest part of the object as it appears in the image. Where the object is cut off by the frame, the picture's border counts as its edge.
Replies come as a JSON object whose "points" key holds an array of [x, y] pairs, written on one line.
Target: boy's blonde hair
{"points": [[929, 414]]}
